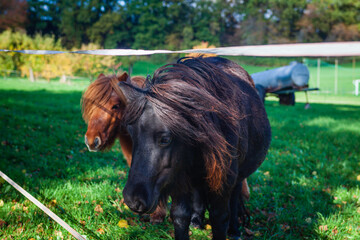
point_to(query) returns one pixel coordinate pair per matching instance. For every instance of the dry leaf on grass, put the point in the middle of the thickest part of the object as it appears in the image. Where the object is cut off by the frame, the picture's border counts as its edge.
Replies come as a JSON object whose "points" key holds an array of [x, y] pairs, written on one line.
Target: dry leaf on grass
{"points": [[123, 223], [323, 228], [98, 209]]}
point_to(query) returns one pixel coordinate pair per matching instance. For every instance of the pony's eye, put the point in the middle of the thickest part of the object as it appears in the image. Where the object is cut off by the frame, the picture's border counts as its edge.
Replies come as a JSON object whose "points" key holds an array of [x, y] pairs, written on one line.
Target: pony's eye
{"points": [[165, 141], [116, 107]]}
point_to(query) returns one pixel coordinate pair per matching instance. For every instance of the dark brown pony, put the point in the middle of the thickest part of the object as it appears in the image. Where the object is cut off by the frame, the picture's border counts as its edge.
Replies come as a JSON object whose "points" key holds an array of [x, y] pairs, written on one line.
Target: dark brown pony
{"points": [[196, 129], [102, 109]]}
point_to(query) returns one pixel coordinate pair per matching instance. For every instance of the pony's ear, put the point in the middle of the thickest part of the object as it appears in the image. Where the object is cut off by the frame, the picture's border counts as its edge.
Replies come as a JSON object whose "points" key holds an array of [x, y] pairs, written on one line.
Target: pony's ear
{"points": [[123, 78], [101, 75], [128, 92]]}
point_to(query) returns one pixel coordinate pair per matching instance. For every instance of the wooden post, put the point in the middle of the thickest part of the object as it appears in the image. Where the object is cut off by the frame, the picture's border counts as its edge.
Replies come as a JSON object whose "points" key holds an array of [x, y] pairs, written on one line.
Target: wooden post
{"points": [[32, 78], [336, 76], [353, 67], [318, 73]]}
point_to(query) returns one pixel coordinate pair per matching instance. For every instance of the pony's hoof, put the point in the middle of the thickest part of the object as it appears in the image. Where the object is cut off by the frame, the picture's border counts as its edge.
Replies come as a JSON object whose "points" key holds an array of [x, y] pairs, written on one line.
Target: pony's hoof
{"points": [[234, 237], [196, 223]]}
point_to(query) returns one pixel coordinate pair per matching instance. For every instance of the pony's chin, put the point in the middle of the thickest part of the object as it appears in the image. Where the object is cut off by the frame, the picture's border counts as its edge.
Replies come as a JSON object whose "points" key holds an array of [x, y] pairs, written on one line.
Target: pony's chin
{"points": [[93, 150], [153, 208]]}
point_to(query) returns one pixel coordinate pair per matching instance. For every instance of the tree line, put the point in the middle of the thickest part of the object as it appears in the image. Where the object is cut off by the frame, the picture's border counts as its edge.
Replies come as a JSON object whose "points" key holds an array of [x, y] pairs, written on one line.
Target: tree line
{"points": [[180, 24]]}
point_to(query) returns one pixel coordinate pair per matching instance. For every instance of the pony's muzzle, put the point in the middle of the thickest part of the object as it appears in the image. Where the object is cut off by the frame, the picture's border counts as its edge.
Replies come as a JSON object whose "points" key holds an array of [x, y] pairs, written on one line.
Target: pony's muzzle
{"points": [[93, 144], [136, 199]]}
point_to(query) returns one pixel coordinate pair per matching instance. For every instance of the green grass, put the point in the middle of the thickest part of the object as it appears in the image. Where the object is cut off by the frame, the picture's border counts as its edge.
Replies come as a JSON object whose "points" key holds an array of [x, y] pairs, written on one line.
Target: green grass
{"points": [[307, 188]]}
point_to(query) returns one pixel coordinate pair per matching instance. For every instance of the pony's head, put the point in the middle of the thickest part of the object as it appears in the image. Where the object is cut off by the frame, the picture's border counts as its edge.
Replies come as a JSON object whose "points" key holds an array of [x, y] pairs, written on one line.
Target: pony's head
{"points": [[177, 124], [102, 109]]}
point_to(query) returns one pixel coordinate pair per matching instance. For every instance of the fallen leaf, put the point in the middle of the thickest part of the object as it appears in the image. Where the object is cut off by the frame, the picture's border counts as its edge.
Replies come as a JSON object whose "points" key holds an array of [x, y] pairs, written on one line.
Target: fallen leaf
{"points": [[2, 223], [58, 234], [19, 230], [39, 228], [101, 231], [284, 227], [208, 227], [99, 209], [335, 231], [1, 203], [323, 228], [117, 190], [249, 232], [53, 202], [358, 177], [123, 223]]}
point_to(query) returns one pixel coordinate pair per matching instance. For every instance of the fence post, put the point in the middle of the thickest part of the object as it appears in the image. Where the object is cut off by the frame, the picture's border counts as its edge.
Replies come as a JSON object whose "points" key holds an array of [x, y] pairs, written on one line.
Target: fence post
{"points": [[31, 76], [318, 73], [336, 75]]}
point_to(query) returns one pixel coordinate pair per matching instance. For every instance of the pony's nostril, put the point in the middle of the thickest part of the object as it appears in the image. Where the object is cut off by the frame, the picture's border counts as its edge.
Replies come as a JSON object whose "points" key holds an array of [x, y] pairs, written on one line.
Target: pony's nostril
{"points": [[97, 142]]}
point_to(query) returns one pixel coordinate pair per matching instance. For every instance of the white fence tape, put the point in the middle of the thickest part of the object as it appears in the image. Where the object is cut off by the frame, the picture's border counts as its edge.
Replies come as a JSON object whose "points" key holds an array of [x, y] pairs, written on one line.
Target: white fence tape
{"points": [[42, 207], [326, 49]]}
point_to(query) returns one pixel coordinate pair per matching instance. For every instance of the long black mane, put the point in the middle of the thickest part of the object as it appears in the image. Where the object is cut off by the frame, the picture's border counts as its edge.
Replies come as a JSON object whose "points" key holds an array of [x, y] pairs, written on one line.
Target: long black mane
{"points": [[198, 102]]}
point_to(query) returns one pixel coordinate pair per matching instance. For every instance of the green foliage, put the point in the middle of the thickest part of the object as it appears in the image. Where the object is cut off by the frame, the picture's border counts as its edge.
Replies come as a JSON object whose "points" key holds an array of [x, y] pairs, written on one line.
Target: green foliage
{"points": [[307, 188], [152, 24], [330, 20], [50, 66]]}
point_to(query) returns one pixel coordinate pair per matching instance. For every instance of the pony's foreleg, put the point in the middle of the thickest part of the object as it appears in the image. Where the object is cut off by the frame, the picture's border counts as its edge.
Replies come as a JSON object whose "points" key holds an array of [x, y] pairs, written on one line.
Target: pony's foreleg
{"points": [[219, 213], [198, 209], [233, 230], [181, 215]]}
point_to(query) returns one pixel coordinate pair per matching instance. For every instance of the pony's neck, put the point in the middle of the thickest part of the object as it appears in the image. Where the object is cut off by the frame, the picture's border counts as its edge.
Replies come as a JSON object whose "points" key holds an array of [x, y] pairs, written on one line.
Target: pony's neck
{"points": [[126, 144]]}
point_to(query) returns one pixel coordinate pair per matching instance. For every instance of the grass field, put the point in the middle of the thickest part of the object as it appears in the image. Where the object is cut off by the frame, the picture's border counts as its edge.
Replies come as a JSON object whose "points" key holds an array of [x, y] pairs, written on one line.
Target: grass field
{"points": [[307, 188]]}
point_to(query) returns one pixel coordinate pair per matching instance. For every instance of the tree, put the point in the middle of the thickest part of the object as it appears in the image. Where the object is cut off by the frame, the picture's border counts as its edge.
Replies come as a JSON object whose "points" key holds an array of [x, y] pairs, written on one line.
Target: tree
{"points": [[330, 20], [44, 18], [110, 30], [92, 65], [12, 14]]}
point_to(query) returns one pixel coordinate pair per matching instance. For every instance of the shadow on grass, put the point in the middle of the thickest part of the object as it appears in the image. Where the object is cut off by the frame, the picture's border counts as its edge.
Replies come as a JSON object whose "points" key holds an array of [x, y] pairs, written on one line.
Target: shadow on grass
{"points": [[313, 153]]}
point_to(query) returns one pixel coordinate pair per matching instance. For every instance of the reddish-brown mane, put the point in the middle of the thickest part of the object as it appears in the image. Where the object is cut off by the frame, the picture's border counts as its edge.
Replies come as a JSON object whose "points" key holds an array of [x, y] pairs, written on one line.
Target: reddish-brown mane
{"points": [[93, 103], [99, 92]]}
